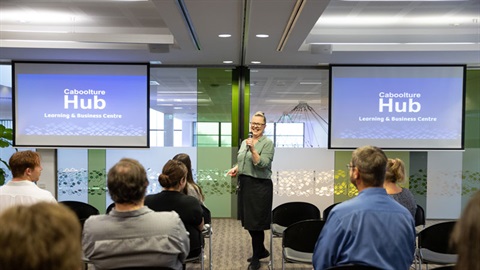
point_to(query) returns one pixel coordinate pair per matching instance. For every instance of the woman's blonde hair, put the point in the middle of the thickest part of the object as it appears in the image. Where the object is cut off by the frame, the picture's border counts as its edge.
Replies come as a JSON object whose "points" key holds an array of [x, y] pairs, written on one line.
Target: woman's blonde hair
{"points": [[395, 171], [261, 114]]}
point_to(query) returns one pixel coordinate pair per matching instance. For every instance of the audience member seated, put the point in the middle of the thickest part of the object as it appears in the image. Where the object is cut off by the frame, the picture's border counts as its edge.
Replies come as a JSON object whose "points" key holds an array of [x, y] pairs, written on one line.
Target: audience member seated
{"points": [[22, 189], [191, 188], [396, 174], [132, 235], [41, 236], [466, 236], [370, 229], [171, 198]]}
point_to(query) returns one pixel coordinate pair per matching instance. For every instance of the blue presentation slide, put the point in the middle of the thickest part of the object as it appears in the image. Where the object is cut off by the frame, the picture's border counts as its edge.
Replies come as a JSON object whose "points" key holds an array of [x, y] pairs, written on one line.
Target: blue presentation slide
{"points": [[397, 112], [89, 105]]}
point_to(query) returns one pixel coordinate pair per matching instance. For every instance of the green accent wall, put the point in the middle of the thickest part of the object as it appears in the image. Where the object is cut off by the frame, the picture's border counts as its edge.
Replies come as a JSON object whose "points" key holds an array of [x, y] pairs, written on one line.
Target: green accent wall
{"points": [[97, 178], [214, 162], [343, 189], [471, 156]]}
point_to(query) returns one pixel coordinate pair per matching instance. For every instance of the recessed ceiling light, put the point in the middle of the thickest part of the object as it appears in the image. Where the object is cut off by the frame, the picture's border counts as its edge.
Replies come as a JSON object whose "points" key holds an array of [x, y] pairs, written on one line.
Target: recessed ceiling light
{"points": [[224, 35], [256, 62], [262, 35], [155, 62], [227, 62]]}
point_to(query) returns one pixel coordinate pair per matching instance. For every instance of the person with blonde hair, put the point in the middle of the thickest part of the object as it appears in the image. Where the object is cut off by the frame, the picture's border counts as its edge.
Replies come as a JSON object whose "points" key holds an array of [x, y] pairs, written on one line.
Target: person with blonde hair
{"points": [[396, 174], [466, 236], [255, 187], [40, 236], [132, 235], [22, 189]]}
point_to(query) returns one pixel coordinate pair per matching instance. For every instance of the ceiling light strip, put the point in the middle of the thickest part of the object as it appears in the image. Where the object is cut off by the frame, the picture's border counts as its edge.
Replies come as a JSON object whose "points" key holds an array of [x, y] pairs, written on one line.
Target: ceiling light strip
{"points": [[297, 9], [189, 23]]}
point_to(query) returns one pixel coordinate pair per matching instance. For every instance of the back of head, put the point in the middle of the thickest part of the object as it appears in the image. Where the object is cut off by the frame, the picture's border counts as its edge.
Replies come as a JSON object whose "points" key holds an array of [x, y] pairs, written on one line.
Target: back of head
{"points": [[42, 236], [185, 159], [22, 160], [172, 173], [466, 235], [127, 181], [371, 162], [395, 170]]}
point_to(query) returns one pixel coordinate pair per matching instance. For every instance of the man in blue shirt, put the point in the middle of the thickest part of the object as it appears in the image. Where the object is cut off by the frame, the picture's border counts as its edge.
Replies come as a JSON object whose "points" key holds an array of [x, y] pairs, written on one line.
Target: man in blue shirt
{"points": [[371, 229]]}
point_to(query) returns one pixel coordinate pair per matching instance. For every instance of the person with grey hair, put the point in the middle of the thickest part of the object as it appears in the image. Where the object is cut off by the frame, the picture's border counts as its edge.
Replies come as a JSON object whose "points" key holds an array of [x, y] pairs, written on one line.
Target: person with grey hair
{"points": [[255, 187], [371, 229], [132, 235]]}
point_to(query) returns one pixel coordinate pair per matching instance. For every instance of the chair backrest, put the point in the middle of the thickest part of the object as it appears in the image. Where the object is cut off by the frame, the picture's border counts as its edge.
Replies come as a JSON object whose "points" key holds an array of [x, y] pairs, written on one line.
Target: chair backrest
{"points": [[419, 216], [352, 267], [110, 207], [291, 212], [446, 267], [207, 215], [327, 210], [302, 235], [83, 210], [437, 237]]}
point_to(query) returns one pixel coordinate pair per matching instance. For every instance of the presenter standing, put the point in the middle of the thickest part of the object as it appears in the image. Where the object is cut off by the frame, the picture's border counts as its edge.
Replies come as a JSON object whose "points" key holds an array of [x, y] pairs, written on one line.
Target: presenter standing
{"points": [[255, 192]]}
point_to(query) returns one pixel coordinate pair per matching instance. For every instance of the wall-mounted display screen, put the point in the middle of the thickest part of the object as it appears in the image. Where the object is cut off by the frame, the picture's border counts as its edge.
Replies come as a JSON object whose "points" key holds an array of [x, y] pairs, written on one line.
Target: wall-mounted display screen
{"points": [[95, 105], [397, 107]]}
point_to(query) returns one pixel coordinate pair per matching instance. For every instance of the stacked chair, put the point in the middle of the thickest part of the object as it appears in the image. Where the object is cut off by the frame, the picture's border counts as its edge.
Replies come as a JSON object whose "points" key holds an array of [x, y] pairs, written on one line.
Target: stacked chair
{"points": [[285, 215]]}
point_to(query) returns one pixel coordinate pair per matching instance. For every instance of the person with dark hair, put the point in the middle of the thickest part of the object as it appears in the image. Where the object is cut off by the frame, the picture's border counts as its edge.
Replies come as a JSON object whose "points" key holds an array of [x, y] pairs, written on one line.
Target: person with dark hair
{"points": [[173, 180], [132, 235], [466, 236], [255, 187], [191, 188], [396, 174], [371, 229], [22, 189], [40, 236]]}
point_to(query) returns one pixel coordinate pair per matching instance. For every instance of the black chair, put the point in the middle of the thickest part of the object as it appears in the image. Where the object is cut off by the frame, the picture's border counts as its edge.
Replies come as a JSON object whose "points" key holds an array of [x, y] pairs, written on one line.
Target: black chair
{"points": [[285, 215], [327, 210], [433, 245], [420, 217], [198, 258], [82, 209], [110, 207], [299, 241], [207, 232], [352, 267], [446, 267]]}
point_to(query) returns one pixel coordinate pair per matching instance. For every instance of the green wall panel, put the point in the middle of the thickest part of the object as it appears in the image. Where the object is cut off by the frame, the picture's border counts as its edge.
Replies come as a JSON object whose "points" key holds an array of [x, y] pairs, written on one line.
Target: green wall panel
{"points": [[212, 166], [97, 178], [343, 189], [213, 162]]}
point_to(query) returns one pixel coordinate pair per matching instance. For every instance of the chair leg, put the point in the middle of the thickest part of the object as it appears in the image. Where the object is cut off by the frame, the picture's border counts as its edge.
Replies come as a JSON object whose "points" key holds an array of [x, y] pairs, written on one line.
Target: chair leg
{"points": [[210, 250], [270, 264], [202, 260]]}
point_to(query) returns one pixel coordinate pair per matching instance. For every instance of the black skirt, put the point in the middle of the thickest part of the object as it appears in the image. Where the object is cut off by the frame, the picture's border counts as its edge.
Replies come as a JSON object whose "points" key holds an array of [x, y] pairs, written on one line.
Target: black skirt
{"points": [[255, 202]]}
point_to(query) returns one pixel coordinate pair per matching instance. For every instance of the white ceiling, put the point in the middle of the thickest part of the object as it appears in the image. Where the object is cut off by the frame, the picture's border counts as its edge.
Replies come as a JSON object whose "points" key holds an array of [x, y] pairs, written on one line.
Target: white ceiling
{"points": [[324, 32]]}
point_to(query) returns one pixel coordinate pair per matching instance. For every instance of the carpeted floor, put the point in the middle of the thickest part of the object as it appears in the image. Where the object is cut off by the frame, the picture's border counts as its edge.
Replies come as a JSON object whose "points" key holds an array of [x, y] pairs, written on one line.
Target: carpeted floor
{"points": [[231, 248]]}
